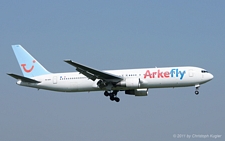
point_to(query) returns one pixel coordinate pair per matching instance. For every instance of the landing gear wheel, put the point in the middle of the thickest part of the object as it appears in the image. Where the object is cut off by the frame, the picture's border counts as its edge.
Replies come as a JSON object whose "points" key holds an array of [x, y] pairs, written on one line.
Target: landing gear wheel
{"points": [[117, 99], [112, 98], [106, 93], [196, 92], [112, 95]]}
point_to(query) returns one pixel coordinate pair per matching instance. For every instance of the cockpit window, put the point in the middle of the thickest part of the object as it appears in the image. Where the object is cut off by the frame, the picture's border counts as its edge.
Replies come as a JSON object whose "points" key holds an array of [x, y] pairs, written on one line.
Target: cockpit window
{"points": [[204, 71]]}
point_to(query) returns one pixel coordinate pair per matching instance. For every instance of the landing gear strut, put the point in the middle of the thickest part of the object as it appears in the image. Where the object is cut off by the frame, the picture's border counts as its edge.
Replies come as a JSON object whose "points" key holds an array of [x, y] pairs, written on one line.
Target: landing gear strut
{"points": [[112, 95], [196, 89]]}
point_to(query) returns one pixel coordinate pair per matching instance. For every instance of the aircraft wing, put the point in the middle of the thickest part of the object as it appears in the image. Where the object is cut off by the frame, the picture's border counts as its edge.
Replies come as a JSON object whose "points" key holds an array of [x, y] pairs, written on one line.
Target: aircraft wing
{"points": [[22, 78], [94, 74]]}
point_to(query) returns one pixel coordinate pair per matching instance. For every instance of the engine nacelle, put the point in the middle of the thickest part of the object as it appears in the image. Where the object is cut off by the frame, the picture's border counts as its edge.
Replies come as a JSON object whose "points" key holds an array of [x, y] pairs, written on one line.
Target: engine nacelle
{"points": [[130, 83], [101, 84], [137, 92]]}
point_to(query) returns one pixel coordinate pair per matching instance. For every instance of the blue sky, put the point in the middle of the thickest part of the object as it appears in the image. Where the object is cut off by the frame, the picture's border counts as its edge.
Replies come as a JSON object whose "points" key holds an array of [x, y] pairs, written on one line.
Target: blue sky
{"points": [[112, 35]]}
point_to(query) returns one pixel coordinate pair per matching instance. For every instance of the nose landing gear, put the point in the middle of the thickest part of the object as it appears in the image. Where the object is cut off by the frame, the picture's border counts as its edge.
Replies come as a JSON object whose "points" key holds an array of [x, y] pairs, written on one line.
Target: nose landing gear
{"points": [[196, 92], [196, 89], [112, 95]]}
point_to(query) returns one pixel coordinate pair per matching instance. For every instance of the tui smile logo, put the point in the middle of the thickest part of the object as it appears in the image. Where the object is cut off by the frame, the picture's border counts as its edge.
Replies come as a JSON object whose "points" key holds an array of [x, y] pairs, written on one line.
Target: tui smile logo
{"points": [[28, 70]]}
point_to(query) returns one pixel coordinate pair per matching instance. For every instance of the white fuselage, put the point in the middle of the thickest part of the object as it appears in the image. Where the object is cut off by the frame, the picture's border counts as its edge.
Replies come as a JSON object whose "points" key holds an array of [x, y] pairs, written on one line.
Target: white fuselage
{"points": [[133, 79]]}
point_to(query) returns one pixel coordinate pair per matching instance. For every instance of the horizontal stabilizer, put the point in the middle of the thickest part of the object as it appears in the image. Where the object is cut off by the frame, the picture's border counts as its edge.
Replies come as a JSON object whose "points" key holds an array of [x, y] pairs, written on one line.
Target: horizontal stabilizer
{"points": [[22, 78]]}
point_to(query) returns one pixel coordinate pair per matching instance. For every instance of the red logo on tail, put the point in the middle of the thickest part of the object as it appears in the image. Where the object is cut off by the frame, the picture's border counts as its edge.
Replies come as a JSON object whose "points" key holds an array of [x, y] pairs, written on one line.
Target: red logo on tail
{"points": [[28, 70]]}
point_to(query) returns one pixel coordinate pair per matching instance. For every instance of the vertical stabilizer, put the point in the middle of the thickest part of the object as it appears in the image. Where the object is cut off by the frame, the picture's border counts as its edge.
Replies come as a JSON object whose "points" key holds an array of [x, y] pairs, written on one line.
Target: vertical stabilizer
{"points": [[28, 64]]}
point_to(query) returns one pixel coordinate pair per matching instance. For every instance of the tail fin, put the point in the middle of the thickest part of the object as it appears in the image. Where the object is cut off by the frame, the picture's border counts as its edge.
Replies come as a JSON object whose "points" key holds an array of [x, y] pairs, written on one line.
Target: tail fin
{"points": [[29, 65]]}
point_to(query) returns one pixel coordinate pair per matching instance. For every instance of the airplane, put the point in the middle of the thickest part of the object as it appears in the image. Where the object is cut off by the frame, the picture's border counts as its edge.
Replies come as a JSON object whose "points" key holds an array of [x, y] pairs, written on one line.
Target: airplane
{"points": [[132, 81]]}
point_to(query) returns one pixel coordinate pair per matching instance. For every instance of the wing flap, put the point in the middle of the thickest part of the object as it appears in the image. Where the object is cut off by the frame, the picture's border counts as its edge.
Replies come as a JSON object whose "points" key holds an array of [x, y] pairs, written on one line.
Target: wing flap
{"points": [[22, 78], [94, 74]]}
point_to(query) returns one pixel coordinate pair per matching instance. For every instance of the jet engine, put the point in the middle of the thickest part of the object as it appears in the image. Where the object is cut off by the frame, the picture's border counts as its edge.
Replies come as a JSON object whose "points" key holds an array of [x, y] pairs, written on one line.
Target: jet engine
{"points": [[137, 92], [130, 83], [101, 84]]}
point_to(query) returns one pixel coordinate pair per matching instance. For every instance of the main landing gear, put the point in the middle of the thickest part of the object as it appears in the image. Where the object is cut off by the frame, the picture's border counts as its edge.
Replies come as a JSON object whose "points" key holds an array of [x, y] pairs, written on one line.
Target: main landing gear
{"points": [[112, 95], [196, 89]]}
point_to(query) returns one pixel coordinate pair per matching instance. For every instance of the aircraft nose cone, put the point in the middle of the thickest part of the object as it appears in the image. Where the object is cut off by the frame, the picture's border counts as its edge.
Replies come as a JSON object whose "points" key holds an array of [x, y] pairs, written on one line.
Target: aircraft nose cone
{"points": [[210, 76]]}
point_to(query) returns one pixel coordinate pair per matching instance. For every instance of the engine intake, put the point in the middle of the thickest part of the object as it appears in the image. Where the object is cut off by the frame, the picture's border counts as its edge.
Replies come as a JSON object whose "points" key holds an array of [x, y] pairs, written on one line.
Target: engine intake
{"points": [[101, 84]]}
